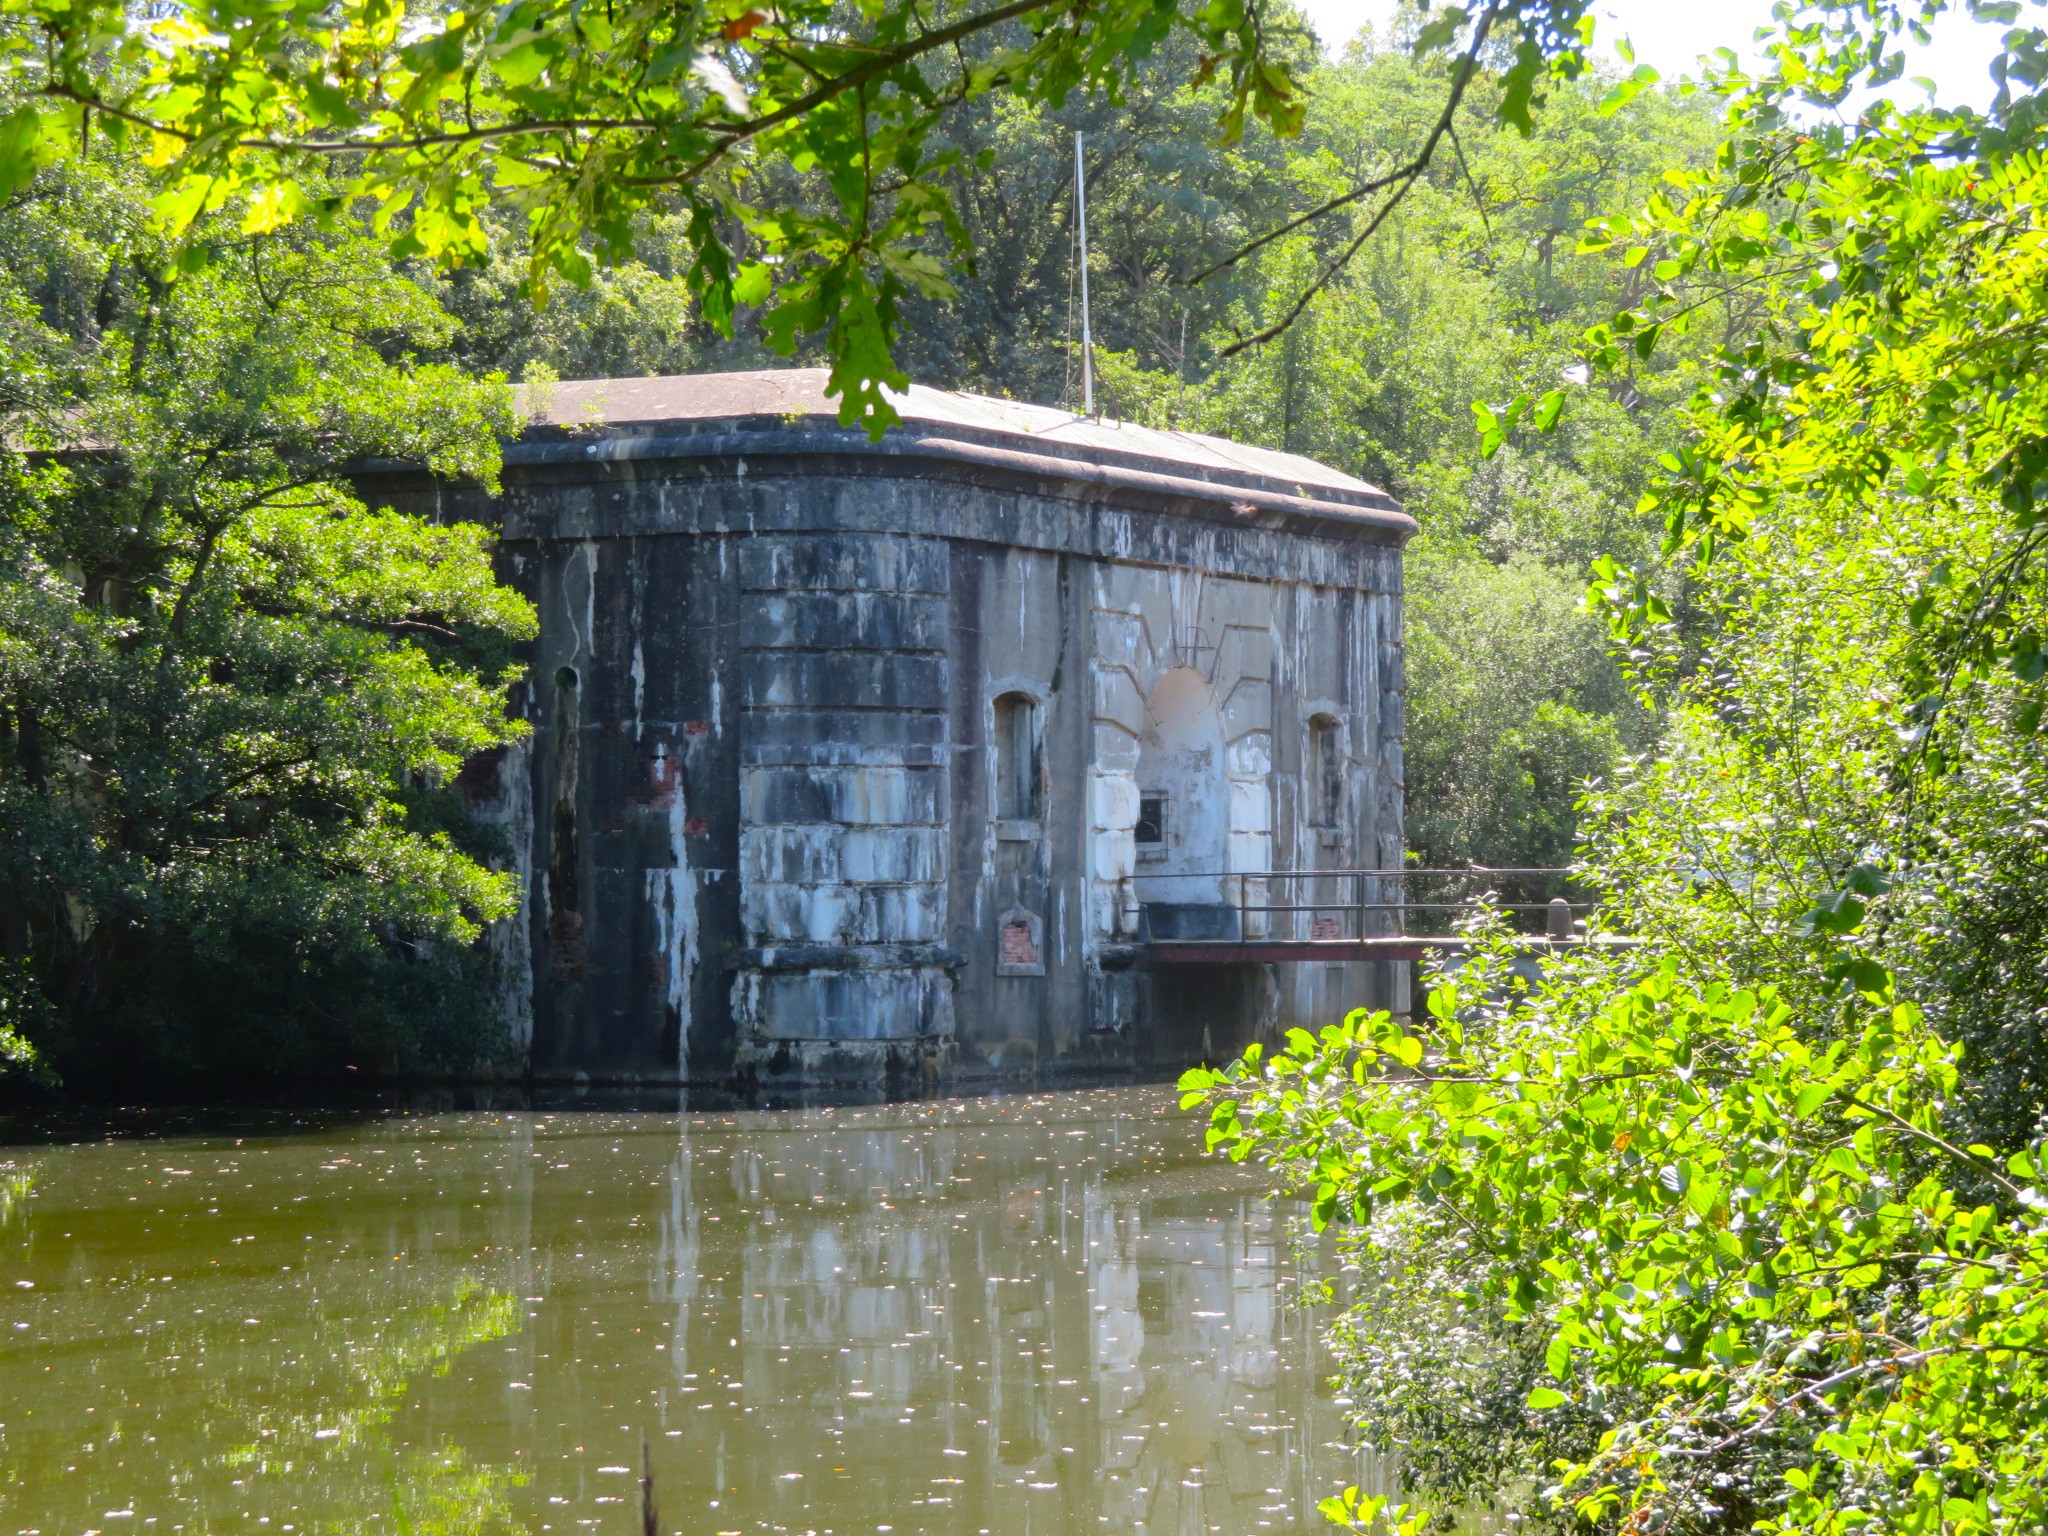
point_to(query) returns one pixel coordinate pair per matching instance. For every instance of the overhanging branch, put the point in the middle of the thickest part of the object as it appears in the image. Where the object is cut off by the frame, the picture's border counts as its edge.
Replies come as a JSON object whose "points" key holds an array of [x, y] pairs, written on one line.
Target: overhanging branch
{"points": [[1400, 180], [729, 135]]}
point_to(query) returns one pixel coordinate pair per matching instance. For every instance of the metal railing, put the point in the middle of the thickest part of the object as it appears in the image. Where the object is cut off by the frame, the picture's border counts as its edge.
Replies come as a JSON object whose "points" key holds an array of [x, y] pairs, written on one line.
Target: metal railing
{"points": [[1297, 905]]}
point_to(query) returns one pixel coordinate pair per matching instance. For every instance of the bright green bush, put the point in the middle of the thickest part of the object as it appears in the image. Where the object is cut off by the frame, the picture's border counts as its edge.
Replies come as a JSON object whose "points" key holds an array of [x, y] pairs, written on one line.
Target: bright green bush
{"points": [[1764, 1293], [1752, 1217]]}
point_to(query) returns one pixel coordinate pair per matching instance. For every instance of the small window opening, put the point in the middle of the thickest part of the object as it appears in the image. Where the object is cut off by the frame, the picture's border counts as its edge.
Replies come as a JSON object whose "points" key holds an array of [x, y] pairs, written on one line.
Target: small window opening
{"points": [[1325, 777], [1019, 778], [1151, 828]]}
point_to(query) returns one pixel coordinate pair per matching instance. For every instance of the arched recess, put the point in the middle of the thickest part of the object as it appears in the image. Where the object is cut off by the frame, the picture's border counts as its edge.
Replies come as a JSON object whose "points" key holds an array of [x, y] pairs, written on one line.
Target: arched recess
{"points": [[1017, 759], [1183, 796]]}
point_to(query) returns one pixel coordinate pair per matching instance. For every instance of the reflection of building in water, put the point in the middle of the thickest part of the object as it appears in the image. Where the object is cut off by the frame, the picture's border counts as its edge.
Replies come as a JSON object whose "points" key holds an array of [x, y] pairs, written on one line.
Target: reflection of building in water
{"points": [[1022, 1317], [1199, 1427], [1002, 1322]]}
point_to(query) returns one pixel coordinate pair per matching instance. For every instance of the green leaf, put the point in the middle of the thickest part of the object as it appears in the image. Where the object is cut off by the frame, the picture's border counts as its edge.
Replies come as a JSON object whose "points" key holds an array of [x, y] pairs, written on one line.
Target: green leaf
{"points": [[2027, 658], [1862, 973], [1836, 912], [1628, 90], [1557, 1357], [1491, 433], [750, 285], [28, 142], [1545, 1397], [1439, 32]]}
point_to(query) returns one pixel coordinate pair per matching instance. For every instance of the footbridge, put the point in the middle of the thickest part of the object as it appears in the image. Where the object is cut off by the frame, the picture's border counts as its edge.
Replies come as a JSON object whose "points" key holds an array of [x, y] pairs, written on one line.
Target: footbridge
{"points": [[1324, 916]]}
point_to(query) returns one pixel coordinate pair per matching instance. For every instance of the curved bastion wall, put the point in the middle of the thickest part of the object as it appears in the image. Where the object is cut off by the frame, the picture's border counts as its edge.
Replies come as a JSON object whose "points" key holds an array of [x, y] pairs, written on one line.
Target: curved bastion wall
{"points": [[880, 761]]}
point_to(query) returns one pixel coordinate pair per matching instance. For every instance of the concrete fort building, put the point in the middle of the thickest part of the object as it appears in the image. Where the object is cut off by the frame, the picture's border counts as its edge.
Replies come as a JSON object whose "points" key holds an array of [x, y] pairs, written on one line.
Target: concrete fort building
{"points": [[876, 761]]}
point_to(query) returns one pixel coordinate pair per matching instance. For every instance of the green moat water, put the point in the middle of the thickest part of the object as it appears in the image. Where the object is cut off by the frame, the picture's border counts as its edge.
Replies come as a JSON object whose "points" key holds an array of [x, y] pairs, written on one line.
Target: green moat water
{"points": [[1044, 1314]]}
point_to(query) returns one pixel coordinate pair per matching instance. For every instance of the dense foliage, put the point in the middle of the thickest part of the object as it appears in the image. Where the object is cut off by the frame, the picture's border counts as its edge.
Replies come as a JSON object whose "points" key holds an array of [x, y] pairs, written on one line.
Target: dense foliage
{"points": [[230, 782], [233, 700], [1738, 1228], [1744, 1228], [1761, 1277], [578, 122]]}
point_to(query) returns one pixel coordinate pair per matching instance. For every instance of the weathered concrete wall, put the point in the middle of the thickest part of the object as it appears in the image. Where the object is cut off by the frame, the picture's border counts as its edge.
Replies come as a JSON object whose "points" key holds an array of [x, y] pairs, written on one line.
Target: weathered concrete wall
{"points": [[1271, 656], [1022, 1001], [845, 790], [635, 794], [763, 817], [498, 790], [1339, 658]]}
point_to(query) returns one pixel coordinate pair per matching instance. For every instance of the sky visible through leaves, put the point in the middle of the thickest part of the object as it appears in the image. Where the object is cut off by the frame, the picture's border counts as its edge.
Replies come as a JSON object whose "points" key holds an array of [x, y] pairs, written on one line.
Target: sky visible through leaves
{"points": [[1670, 38]]}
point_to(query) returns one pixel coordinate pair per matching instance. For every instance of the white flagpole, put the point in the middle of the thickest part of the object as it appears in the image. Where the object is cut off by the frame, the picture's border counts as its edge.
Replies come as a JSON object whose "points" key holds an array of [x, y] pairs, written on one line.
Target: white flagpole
{"points": [[1087, 340]]}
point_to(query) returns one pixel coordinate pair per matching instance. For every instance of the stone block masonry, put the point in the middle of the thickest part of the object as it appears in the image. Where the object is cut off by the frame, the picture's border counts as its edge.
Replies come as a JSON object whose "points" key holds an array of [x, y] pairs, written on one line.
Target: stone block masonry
{"points": [[844, 780]]}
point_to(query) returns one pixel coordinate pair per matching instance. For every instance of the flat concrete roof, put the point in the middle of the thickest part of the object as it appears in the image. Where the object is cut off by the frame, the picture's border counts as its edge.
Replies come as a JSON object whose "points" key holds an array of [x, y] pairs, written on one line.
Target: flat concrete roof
{"points": [[795, 398]]}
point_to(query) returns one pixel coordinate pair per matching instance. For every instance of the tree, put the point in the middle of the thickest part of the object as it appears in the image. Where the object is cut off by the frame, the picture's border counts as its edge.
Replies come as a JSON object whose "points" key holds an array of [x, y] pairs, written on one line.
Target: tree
{"points": [[1750, 1219], [233, 700], [578, 122], [1750, 1254]]}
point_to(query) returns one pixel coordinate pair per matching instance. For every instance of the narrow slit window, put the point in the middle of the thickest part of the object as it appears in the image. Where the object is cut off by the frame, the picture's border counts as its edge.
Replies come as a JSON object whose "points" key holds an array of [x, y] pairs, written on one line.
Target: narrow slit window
{"points": [[1019, 778], [1325, 786]]}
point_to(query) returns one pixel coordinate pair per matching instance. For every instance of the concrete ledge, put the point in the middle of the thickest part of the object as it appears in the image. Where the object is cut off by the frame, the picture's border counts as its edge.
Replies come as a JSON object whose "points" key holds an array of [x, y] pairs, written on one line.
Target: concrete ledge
{"points": [[1376, 519], [845, 957]]}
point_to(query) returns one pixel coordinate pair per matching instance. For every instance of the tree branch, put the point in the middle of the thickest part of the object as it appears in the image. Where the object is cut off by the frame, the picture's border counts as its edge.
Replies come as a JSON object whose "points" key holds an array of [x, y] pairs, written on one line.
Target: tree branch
{"points": [[1462, 78], [730, 135]]}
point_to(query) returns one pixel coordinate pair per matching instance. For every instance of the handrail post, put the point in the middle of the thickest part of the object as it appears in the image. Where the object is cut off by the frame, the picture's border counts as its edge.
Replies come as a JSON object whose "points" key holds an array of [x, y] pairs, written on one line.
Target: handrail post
{"points": [[1243, 934], [1560, 918]]}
